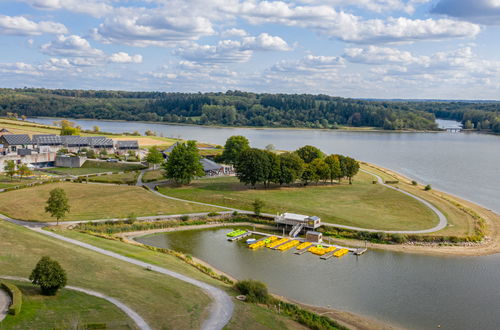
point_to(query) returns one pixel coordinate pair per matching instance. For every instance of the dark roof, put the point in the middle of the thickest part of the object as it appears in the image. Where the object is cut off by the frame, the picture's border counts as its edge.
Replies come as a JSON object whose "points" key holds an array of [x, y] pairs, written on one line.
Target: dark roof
{"points": [[314, 218], [24, 152], [74, 140], [17, 139], [47, 139], [311, 232], [169, 149], [100, 141], [131, 144], [209, 165], [4, 130]]}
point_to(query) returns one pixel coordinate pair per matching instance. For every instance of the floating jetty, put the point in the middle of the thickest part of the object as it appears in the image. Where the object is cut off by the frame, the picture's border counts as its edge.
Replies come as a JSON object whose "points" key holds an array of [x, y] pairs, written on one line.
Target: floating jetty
{"points": [[276, 243], [240, 236], [236, 232], [288, 245], [262, 242], [360, 251]]}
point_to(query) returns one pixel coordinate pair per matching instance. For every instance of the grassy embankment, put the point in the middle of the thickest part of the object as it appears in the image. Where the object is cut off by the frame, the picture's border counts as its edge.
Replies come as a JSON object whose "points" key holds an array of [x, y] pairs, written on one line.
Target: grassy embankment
{"points": [[362, 204], [92, 201], [154, 175], [59, 312], [162, 301]]}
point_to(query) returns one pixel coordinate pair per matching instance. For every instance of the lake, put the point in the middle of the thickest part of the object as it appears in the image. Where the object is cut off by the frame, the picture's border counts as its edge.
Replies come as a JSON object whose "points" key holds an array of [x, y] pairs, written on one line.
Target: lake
{"points": [[412, 291], [464, 164]]}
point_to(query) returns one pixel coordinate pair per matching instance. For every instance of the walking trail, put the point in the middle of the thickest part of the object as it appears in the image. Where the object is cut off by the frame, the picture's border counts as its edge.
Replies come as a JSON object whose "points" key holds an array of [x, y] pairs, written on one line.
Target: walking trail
{"points": [[4, 303], [139, 321]]}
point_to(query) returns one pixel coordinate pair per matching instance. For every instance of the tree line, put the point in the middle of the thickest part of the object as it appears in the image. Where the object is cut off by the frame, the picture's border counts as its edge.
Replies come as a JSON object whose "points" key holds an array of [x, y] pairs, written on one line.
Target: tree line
{"points": [[305, 165], [232, 108]]}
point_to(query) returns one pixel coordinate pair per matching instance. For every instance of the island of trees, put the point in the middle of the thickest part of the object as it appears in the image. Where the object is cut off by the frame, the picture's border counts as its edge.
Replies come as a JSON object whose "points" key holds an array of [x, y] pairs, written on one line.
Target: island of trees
{"points": [[236, 108]]}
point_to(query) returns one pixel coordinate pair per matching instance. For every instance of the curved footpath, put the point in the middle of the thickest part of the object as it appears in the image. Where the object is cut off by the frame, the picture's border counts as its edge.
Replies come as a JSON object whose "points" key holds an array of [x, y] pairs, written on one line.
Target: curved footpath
{"points": [[4, 304], [221, 309], [139, 321], [443, 221]]}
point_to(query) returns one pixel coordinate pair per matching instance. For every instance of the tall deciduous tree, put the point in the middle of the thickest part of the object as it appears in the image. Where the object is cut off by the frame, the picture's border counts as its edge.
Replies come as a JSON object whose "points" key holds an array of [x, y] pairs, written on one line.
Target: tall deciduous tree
{"points": [[57, 204], [154, 157], [183, 163], [234, 146], [291, 168], [334, 164], [351, 169], [309, 153], [309, 174], [321, 169], [253, 166], [10, 168], [49, 275]]}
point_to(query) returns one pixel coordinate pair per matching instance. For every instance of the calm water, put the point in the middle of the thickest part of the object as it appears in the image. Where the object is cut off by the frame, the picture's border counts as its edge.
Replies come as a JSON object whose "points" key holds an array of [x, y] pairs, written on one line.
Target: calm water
{"points": [[418, 292], [465, 164]]}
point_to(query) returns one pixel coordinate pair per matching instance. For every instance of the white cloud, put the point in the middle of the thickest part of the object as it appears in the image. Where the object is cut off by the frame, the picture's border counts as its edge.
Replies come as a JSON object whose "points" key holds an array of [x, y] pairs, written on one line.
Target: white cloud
{"points": [[265, 41], [378, 6], [72, 46], [379, 55], [233, 33], [122, 57], [19, 68], [310, 63], [141, 28], [348, 27], [231, 51], [91, 7], [479, 11], [19, 25]]}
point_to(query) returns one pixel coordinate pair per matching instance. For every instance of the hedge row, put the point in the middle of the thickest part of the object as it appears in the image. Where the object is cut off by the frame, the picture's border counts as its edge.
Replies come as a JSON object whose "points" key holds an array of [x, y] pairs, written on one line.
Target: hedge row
{"points": [[15, 295], [113, 227]]}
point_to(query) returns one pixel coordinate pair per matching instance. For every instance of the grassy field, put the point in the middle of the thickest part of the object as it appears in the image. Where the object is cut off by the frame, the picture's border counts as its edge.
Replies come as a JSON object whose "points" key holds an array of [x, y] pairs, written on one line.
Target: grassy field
{"points": [[362, 204], [164, 302], [92, 167], [92, 201], [459, 222], [59, 312], [122, 178], [153, 175]]}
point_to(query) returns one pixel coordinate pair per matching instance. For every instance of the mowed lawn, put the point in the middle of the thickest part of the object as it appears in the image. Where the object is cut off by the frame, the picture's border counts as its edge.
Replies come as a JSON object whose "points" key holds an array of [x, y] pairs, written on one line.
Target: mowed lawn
{"points": [[164, 302], [361, 204], [92, 201], [59, 312]]}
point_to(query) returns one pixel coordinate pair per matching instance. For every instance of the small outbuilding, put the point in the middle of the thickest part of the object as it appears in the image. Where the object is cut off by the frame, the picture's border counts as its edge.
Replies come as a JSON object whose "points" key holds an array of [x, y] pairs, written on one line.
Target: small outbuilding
{"points": [[314, 237]]}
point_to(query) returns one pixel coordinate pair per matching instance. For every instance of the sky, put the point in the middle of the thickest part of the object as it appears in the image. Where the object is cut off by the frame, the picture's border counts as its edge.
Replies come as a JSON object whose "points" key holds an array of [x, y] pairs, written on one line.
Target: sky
{"points": [[430, 49]]}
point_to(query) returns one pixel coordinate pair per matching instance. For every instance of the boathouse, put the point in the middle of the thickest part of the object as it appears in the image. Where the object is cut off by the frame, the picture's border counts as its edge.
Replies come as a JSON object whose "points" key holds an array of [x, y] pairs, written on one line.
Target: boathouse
{"points": [[298, 222]]}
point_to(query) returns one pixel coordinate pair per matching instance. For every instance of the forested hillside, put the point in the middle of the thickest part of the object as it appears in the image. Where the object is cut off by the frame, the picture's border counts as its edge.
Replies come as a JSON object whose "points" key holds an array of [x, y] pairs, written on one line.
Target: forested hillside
{"points": [[235, 108]]}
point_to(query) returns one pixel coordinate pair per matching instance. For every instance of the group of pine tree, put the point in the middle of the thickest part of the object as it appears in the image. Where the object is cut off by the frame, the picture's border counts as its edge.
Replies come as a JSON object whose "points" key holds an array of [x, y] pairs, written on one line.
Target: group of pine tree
{"points": [[253, 166], [236, 108]]}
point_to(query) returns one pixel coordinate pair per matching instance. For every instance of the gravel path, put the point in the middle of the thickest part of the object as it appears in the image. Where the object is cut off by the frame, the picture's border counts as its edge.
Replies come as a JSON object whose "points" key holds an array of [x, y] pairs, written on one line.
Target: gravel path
{"points": [[4, 303], [139, 321]]}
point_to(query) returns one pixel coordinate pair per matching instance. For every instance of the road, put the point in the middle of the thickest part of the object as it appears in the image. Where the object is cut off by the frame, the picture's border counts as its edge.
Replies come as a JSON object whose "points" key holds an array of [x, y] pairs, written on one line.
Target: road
{"points": [[221, 308], [139, 321]]}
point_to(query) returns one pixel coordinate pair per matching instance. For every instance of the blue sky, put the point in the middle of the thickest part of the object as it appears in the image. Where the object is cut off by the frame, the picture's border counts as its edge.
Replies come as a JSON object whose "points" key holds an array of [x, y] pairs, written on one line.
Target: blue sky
{"points": [[446, 49]]}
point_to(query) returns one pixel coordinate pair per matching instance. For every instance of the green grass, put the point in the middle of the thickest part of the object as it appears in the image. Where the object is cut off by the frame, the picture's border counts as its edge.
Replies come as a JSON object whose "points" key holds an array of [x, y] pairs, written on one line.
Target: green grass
{"points": [[92, 201], [65, 310], [362, 204], [153, 175], [122, 178], [162, 301], [93, 167]]}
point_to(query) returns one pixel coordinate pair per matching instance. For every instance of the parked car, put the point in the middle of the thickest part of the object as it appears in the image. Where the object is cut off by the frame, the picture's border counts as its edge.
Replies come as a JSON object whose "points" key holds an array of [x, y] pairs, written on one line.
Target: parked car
{"points": [[112, 160]]}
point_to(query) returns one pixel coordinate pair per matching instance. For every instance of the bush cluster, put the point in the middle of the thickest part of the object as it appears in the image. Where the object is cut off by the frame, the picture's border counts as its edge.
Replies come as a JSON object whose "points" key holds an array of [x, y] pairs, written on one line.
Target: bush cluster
{"points": [[254, 290]]}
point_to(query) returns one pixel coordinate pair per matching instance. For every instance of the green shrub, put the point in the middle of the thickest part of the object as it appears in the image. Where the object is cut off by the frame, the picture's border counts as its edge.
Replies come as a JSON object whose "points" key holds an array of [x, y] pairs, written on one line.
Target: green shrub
{"points": [[184, 217], [255, 291], [213, 214], [428, 187], [15, 295], [131, 219], [235, 213], [413, 182], [49, 275], [399, 238]]}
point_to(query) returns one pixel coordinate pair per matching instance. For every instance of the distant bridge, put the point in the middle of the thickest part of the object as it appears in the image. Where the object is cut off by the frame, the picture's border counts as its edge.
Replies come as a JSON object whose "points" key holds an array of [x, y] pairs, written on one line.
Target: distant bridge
{"points": [[453, 129]]}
